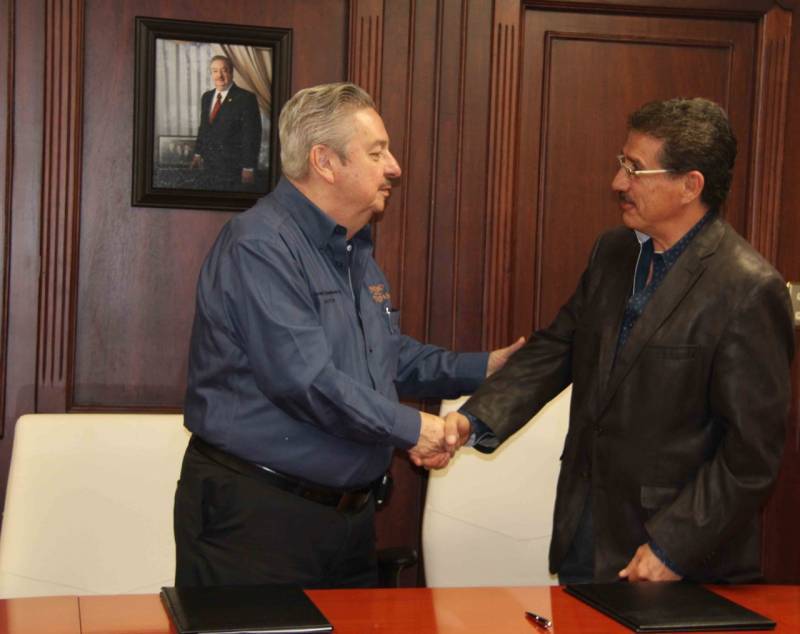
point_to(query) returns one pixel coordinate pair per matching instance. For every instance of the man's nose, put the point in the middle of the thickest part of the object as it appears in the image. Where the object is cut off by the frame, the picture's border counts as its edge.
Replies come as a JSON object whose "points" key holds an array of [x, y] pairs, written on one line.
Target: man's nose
{"points": [[621, 181], [392, 166]]}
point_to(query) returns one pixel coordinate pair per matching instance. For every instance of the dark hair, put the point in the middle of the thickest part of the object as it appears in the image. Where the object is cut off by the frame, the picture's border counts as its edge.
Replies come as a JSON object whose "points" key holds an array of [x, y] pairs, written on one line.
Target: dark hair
{"points": [[697, 136]]}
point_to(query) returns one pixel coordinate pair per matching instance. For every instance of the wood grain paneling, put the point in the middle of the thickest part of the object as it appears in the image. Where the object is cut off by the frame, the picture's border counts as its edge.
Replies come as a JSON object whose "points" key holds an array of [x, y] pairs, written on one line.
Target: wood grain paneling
{"points": [[6, 165], [770, 124], [366, 46], [782, 552], [23, 223], [500, 187], [63, 80]]}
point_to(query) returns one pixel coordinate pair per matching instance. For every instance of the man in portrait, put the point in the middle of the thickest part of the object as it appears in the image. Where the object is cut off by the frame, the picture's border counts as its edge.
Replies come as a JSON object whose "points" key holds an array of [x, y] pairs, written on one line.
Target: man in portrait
{"points": [[229, 136]]}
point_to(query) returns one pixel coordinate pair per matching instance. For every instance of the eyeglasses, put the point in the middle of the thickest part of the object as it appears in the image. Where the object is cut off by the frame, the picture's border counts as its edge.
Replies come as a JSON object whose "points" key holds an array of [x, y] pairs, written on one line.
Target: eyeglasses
{"points": [[631, 171]]}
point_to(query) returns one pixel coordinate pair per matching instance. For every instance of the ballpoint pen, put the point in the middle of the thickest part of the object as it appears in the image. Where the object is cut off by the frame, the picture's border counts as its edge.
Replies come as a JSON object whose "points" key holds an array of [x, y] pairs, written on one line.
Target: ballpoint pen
{"points": [[539, 620]]}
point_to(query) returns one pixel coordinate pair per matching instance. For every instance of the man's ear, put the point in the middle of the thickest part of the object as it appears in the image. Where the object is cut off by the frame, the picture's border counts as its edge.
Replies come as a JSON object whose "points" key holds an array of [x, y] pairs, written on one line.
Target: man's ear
{"points": [[321, 161], [693, 183]]}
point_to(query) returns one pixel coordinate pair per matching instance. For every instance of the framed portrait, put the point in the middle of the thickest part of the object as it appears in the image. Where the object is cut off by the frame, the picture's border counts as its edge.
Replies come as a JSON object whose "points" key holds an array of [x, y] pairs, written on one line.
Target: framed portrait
{"points": [[207, 99]]}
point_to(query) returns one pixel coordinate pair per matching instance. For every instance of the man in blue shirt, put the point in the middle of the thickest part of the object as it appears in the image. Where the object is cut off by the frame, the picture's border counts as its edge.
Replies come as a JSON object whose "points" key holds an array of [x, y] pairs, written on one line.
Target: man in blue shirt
{"points": [[297, 364], [678, 342]]}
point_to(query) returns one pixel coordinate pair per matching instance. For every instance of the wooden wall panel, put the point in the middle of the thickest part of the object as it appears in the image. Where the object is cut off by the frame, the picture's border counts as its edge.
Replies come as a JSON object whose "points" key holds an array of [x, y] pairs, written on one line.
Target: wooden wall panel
{"points": [[22, 200], [63, 81], [6, 164], [782, 557], [770, 125], [138, 266], [503, 135]]}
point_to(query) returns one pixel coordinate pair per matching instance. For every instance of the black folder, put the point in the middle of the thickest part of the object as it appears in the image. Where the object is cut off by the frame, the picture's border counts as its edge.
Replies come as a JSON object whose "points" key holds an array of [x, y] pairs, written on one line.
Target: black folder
{"points": [[243, 610], [668, 607]]}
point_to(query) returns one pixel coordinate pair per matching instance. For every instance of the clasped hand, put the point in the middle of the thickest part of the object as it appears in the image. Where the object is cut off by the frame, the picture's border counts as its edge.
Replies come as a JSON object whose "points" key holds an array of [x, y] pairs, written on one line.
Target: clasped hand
{"points": [[439, 439]]}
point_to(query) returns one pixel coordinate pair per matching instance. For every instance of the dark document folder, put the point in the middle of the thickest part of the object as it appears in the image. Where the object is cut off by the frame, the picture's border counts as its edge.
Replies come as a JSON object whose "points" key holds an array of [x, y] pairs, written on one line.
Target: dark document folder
{"points": [[668, 607], [243, 610]]}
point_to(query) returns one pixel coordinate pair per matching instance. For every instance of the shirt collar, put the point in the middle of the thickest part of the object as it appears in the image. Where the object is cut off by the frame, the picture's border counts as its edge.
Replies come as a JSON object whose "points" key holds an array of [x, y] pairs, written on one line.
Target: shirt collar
{"points": [[676, 249], [318, 226]]}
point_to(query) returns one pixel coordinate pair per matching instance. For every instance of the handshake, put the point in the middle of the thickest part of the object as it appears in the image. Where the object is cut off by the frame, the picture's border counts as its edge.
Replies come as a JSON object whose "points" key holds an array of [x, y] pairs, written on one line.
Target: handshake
{"points": [[439, 439]]}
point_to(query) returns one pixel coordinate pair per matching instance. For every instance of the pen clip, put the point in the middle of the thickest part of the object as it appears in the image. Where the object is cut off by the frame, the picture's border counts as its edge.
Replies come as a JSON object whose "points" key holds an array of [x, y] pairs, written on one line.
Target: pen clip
{"points": [[539, 620]]}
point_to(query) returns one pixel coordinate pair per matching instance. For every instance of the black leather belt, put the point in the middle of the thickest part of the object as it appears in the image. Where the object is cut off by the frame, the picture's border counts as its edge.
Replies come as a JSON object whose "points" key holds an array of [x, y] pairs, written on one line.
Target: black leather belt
{"points": [[342, 501]]}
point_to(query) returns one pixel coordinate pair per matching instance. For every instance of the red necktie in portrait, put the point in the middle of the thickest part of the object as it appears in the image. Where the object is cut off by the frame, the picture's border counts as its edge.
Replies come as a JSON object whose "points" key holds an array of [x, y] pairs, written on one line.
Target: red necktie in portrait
{"points": [[215, 109]]}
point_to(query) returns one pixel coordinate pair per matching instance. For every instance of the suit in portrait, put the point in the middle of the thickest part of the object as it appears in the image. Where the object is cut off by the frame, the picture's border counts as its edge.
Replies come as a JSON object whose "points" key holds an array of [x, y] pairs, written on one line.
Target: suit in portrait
{"points": [[678, 439], [229, 143]]}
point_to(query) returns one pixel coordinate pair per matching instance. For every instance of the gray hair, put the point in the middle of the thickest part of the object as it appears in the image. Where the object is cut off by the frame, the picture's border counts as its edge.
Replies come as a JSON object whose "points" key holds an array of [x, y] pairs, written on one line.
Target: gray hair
{"points": [[313, 116], [227, 60]]}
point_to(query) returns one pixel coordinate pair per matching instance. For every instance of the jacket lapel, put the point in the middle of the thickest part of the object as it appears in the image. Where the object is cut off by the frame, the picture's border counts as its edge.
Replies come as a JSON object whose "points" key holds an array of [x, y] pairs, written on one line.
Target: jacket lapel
{"points": [[678, 282], [617, 292]]}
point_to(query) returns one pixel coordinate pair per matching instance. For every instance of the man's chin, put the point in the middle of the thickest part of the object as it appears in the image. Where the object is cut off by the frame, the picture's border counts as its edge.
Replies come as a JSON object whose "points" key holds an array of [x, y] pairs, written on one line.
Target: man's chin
{"points": [[629, 219]]}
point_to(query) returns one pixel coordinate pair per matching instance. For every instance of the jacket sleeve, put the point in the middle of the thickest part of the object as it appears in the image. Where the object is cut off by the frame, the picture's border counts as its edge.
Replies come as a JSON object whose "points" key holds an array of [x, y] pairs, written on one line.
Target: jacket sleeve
{"points": [[536, 373], [749, 395]]}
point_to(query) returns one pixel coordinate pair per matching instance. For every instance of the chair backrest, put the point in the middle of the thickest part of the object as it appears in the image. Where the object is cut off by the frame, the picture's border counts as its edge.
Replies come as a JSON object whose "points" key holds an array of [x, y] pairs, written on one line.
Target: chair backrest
{"points": [[89, 504], [488, 518]]}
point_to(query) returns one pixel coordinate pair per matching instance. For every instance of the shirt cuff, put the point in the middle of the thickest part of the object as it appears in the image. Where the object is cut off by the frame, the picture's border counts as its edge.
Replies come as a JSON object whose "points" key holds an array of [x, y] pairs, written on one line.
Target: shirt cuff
{"points": [[407, 426], [482, 438], [664, 558], [471, 367]]}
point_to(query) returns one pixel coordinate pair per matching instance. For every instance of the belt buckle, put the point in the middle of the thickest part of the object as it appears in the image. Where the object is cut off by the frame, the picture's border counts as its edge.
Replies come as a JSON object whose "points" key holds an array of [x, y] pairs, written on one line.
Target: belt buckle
{"points": [[352, 502]]}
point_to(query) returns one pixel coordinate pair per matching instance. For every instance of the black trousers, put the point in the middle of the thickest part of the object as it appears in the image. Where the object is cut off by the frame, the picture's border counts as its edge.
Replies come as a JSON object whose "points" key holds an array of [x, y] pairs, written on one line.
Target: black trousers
{"points": [[233, 528]]}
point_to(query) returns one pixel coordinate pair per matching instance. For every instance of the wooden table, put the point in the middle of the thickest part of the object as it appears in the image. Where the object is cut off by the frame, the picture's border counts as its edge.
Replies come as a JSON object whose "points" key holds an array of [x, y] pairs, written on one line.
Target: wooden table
{"points": [[403, 611]]}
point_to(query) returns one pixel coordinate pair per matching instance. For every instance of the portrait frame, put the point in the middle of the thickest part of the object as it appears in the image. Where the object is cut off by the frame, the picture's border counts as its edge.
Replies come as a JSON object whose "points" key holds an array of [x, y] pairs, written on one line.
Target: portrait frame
{"points": [[150, 187]]}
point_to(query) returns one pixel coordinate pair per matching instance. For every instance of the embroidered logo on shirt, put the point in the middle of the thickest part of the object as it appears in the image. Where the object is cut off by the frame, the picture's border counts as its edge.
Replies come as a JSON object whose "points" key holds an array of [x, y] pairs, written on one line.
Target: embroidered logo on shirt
{"points": [[379, 293]]}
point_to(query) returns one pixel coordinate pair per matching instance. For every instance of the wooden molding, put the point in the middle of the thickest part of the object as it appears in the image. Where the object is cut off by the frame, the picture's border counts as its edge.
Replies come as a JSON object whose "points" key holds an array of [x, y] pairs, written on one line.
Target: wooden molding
{"points": [[770, 123], [725, 9], [6, 179], [366, 46], [504, 85], [61, 178]]}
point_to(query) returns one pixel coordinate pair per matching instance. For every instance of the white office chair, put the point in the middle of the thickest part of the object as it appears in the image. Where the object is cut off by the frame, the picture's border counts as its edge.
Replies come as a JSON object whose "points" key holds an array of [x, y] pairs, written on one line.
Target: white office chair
{"points": [[89, 504], [488, 518]]}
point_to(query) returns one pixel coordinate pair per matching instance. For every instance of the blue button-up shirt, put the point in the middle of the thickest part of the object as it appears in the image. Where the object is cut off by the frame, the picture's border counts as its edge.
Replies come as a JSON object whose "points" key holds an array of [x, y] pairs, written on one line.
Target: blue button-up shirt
{"points": [[296, 358], [661, 262]]}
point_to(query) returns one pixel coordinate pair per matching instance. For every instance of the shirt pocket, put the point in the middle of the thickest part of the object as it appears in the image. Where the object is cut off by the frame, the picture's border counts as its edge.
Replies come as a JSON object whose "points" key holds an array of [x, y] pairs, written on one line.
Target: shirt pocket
{"points": [[393, 320], [673, 353]]}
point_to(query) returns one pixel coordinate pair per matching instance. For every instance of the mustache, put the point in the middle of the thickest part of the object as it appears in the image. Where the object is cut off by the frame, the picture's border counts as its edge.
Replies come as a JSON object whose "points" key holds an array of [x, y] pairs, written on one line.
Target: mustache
{"points": [[623, 198]]}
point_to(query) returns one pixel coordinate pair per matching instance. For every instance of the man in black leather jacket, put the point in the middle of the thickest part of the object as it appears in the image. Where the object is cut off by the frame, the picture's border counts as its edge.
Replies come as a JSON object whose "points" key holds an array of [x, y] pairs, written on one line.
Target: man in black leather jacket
{"points": [[678, 342]]}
